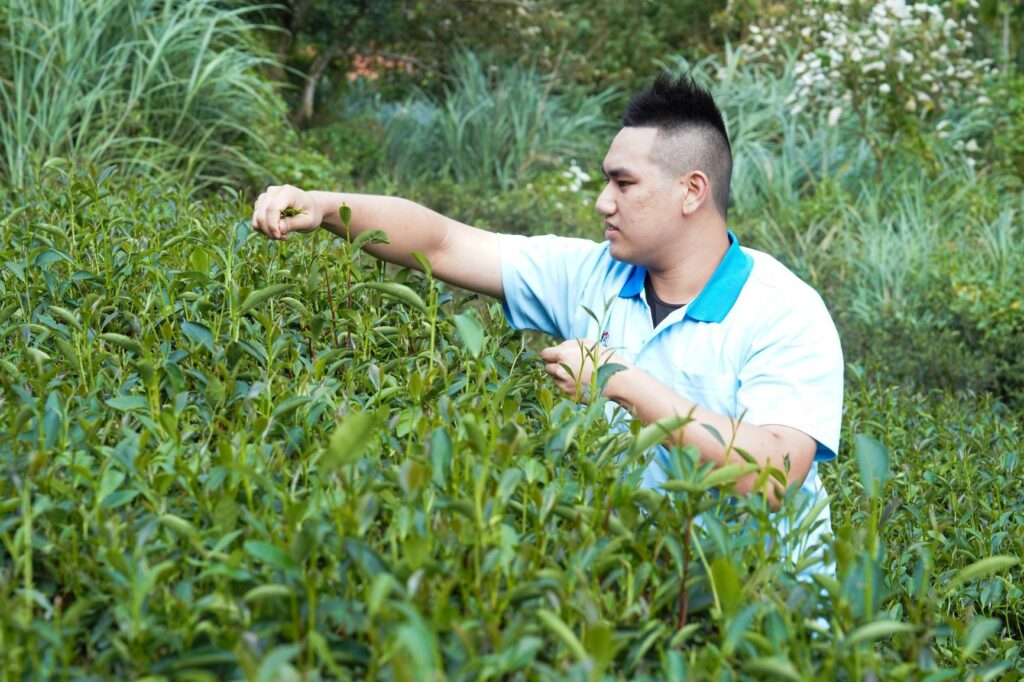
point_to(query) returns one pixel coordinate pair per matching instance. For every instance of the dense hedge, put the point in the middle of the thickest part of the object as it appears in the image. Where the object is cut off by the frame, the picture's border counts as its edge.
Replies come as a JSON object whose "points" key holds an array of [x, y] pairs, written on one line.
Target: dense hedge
{"points": [[227, 457]]}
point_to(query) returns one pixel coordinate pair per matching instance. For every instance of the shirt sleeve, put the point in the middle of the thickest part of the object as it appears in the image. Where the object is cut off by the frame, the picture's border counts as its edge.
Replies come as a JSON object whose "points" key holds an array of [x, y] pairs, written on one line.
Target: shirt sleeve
{"points": [[794, 376], [543, 279]]}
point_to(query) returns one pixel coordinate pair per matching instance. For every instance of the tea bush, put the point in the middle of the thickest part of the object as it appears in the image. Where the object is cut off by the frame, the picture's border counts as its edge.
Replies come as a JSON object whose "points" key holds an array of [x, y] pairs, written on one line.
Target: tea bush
{"points": [[230, 458]]}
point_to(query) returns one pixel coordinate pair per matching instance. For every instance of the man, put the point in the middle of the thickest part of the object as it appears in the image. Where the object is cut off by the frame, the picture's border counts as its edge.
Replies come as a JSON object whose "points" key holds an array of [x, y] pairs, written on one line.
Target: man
{"points": [[702, 326]]}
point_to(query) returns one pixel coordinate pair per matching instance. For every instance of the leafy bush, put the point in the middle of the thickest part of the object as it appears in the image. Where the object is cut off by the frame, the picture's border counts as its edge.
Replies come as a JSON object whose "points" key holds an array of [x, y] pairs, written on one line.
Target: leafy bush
{"points": [[228, 457], [161, 88]]}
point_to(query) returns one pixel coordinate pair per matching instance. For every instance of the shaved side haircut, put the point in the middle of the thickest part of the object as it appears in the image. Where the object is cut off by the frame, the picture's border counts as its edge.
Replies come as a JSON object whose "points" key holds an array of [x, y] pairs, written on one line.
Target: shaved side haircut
{"points": [[691, 133]]}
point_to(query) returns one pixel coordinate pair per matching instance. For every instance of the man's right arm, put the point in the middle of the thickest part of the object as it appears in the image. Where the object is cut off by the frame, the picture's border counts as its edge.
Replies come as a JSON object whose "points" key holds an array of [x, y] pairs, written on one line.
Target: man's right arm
{"points": [[459, 254]]}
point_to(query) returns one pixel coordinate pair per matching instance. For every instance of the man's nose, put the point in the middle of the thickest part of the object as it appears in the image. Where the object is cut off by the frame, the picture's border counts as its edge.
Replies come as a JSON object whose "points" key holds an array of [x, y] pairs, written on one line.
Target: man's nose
{"points": [[604, 204]]}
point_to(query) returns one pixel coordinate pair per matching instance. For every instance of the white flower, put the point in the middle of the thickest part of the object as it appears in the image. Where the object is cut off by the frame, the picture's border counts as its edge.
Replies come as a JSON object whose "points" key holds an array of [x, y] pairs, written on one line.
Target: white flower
{"points": [[856, 55], [911, 105], [984, 101], [833, 116], [971, 146], [873, 66], [905, 57], [884, 88]]}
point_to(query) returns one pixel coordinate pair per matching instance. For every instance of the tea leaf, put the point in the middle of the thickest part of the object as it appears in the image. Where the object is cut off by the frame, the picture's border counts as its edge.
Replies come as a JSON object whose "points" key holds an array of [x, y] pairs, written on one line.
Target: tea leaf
{"points": [[370, 237], [772, 667], [199, 333], [978, 633], [874, 464], [350, 439], [397, 291], [122, 341], [983, 568], [873, 632], [657, 431], [271, 554], [262, 296], [728, 474], [471, 331], [270, 591], [558, 628], [127, 403]]}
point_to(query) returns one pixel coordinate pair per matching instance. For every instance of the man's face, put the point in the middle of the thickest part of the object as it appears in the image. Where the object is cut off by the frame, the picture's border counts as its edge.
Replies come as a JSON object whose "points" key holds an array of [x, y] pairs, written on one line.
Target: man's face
{"points": [[641, 202]]}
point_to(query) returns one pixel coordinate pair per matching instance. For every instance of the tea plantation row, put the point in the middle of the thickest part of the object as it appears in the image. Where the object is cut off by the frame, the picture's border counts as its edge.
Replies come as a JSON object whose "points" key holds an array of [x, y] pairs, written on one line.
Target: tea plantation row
{"points": [[226, 458]]}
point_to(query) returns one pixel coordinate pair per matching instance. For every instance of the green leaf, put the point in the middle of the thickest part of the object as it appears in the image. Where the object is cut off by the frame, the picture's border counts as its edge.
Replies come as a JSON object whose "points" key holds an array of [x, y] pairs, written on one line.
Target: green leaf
{"points": [[471, 331], [728, 474], [727, 583], [127, 403], [63, 313], [350, 439], [289, 405], [872, 632], [276, 664], [983, 568], [118, 499], [271, 554], [262, 296], [606, 372], [50, 256], [772, 668], [423, 263], [271, 591], [370, 237], [397, 291], [198, 333], [179, 526], [873, 460], [655, 432], [714, 433], [124, 342], [440, 456], [559, 629], [978, 633]]}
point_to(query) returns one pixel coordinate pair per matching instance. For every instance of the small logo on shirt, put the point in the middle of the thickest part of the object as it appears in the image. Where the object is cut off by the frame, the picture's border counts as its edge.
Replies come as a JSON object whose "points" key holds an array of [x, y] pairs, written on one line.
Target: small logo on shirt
{"points": [[604, 338]]}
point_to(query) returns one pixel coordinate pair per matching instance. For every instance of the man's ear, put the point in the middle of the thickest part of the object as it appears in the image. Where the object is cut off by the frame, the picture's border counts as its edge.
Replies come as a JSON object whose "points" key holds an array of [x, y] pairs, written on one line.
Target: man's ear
{"points": [[696, 190]]}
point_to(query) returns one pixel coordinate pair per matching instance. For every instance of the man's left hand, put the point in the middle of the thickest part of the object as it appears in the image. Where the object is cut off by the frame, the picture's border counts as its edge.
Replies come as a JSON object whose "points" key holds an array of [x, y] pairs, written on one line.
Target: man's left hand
{"points": [[572, 365]]}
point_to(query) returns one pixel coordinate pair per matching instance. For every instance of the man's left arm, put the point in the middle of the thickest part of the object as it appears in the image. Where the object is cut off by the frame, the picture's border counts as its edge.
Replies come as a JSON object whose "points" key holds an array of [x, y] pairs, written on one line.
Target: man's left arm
{"points": [[650, 400]]}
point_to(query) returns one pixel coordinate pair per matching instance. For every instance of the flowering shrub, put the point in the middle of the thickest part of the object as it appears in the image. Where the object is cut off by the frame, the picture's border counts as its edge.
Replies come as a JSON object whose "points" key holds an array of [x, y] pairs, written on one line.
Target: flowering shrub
{"points": [[895, 64]]}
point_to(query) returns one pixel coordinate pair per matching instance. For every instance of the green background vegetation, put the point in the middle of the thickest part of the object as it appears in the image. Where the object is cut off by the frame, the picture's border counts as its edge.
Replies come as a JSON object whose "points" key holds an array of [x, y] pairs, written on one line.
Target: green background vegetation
{"points": [[224, 457]]}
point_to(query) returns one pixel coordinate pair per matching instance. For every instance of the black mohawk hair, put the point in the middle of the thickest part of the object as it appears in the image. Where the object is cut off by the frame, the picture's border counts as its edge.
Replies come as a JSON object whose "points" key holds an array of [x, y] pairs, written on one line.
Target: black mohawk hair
{"points": [[674, 102]]}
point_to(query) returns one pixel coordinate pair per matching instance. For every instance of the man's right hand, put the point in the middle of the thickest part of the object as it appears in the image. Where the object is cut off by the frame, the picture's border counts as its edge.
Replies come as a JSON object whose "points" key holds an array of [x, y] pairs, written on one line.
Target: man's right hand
{"points": [[266, 214]]}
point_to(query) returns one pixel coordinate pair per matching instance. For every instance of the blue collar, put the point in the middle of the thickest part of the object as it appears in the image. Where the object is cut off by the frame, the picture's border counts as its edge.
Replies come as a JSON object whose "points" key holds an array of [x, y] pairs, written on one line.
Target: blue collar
{"points": [[717, 297]]}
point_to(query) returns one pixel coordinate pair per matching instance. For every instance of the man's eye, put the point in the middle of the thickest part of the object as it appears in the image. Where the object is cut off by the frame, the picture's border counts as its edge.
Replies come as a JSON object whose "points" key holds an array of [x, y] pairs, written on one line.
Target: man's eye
{"points": [[623, 184]]}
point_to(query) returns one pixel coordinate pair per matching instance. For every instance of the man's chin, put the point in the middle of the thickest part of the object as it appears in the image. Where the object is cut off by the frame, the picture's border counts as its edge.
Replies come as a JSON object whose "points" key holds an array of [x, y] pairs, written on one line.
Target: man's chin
{"points": [[620, 254]]}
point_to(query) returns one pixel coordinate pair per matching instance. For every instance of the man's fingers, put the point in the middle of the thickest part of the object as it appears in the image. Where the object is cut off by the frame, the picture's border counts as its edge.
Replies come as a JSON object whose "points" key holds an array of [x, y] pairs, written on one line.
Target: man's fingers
{"points": [[271, 217], [549, 354], [256, 210]]}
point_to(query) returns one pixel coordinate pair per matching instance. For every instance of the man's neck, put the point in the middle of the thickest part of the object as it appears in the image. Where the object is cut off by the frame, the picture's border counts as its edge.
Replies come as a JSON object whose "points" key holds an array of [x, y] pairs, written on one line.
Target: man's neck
{"points": [[693, 263]]}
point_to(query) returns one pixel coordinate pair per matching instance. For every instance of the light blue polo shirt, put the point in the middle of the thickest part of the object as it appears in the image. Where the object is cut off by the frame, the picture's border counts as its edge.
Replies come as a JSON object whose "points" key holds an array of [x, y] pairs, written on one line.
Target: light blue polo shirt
{"points": [[757, 341]]}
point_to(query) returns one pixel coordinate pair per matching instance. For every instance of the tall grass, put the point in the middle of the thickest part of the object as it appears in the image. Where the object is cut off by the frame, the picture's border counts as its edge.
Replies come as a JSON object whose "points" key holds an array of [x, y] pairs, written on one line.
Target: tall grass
{"points": [[160, 87], [495, 127]]}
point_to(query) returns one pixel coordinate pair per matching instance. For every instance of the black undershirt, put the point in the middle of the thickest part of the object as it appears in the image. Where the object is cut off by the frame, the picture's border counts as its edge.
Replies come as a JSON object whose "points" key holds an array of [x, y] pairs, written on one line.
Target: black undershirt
{"points": [[659, 309]]}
